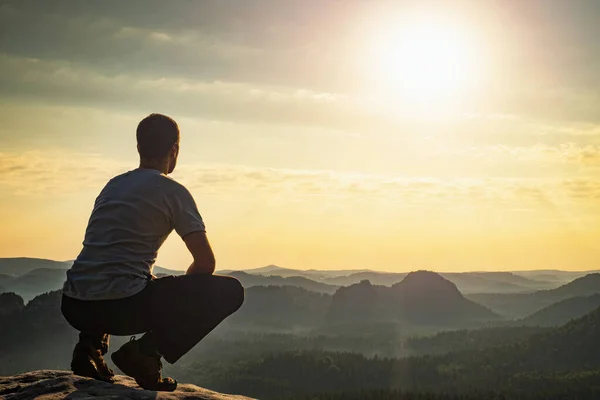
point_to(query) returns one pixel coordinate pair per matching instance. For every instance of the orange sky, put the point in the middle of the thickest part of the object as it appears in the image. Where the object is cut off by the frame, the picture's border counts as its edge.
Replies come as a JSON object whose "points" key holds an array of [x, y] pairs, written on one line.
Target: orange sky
{"points": [[448, 135]]}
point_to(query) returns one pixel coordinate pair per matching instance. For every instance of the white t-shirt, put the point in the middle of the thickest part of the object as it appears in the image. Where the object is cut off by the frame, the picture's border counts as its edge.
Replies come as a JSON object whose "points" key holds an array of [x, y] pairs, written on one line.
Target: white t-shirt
{"points": [[132, 217]]}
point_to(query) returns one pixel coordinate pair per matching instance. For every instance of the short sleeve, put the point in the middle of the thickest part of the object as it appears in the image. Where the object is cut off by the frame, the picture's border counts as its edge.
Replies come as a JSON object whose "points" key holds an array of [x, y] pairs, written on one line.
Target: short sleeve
{"points": [[185, 216]]}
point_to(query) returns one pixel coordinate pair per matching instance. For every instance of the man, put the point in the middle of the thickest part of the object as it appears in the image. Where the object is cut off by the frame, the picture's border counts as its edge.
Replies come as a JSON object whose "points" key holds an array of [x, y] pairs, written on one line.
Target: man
{"points": [[110, 288]]}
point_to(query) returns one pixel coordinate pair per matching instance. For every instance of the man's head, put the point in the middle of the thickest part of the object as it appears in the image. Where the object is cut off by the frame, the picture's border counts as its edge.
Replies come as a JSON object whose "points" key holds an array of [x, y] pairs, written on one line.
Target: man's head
{"points": [[158, 141]]}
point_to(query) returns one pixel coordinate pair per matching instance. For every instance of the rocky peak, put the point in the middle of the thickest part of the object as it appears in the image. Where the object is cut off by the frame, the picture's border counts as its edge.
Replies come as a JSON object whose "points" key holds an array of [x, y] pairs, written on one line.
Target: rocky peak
{"points": [[427, 284], [54, 385], [10, 303]]}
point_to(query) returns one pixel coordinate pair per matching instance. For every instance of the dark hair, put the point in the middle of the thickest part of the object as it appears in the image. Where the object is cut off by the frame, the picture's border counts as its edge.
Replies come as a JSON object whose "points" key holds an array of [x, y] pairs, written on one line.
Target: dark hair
{"points": [[156, 134]]}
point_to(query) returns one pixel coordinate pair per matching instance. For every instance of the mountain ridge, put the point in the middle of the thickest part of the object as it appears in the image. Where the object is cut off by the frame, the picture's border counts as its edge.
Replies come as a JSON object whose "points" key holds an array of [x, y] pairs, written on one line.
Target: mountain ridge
{"points": [[562, 312], [521, 305], [21, 265]]}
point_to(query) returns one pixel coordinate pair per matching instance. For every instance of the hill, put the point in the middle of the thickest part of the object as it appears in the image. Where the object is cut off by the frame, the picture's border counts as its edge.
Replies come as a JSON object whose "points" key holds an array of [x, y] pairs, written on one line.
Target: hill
{"points": [[282, 307], [157, 270], [422, 297], [553, 275], [34, 282], [563, 363], [50, 385], [249, 280], [522, 305], [467, 282], [20, 266], [562, 312], [36, 336], [10, 303], [313, 274], [495, 282], [42, 280], [428, 297], [376, 278]]}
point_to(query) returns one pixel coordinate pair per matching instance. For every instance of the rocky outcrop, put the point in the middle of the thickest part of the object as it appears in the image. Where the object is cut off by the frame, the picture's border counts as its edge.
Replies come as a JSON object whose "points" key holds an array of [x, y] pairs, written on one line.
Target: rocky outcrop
{"points": [[54, 385], [421, 298], [10, 303]]}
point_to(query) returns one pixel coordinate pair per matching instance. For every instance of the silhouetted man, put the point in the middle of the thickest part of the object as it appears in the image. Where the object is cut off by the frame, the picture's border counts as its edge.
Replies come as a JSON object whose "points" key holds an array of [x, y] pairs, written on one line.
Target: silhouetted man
{"points": [[110, 288]]}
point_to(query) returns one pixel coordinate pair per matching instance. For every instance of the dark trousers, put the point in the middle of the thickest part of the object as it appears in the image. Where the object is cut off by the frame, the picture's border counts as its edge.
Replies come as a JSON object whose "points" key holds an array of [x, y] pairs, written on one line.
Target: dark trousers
{"points": [[178, 311]]}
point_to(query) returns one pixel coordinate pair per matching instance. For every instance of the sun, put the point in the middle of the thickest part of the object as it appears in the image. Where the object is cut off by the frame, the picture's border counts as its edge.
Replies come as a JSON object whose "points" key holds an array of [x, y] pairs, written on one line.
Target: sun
{"points": [[430, 62]]}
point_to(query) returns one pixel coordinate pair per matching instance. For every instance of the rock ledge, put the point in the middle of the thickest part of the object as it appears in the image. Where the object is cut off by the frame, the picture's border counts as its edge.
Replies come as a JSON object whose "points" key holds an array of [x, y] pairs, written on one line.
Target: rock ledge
{"points": [[54, 385]]}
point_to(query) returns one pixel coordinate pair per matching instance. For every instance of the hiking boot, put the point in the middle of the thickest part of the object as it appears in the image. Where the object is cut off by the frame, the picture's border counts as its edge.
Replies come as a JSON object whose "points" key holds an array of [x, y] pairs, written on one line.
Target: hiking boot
{"points": [[145, 369], [88, 361]]}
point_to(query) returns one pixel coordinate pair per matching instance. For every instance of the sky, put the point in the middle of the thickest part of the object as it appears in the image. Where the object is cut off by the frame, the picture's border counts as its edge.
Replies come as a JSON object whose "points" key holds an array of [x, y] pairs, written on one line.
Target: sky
{"points": [[452, 135]]}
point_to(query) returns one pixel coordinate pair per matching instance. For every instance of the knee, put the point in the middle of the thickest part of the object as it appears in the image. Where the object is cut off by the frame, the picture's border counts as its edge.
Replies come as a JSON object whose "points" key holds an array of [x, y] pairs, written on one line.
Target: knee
{"points": [[235, 293]]}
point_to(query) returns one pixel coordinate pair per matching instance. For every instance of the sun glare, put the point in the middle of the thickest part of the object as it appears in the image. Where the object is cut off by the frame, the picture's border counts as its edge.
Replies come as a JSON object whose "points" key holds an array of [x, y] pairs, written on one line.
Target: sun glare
{"points": [[426, 60]]}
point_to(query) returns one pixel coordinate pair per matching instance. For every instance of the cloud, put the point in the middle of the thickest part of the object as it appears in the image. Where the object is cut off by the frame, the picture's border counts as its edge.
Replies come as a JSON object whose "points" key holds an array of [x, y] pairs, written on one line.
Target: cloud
{"points": [[59, 173], [61, 82], [587, 155], [58, 81], [53, 172], [288, 44], [536, 155], [114, 43], [234, 41], [583, 189]]}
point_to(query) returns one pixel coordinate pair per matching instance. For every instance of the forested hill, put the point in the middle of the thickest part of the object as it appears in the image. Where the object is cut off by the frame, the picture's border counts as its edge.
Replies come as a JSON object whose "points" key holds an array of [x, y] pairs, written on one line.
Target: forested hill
{"points": [[422, 297], [562, 312], [559, 364], [522, 305], [562, 360]]}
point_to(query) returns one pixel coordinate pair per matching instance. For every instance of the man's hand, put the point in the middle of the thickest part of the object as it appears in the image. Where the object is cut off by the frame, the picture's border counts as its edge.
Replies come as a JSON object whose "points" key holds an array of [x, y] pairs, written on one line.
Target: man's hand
{"points": [[204, 258]]}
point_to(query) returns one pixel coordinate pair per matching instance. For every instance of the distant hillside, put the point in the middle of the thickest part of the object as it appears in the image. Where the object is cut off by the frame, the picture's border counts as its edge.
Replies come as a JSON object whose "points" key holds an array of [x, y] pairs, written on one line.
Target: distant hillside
{"points": [[522, 305], [589, 284], [313, 274], [158, 271], [496, 282], [421, 297], [35, 282], [562, 312], [5, 282], [553, 275], [20, 266], [376, 278], [508, 277], [467, 282], [270, 269], [249, 280], [281, 307]]}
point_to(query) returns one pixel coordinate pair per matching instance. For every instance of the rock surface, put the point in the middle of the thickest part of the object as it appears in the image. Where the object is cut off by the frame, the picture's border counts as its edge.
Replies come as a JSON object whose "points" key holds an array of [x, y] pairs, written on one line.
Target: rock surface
{"points": [[54, 385]]}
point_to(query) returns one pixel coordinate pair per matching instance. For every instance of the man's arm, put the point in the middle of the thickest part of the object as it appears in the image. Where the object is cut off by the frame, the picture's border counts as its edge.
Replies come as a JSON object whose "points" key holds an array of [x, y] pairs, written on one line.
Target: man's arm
{"points": [[204, 258]]}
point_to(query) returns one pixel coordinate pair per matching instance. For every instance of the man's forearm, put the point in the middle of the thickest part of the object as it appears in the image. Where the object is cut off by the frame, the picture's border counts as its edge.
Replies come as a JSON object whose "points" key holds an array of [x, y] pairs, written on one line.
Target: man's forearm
{"points": [[205, 268]]}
